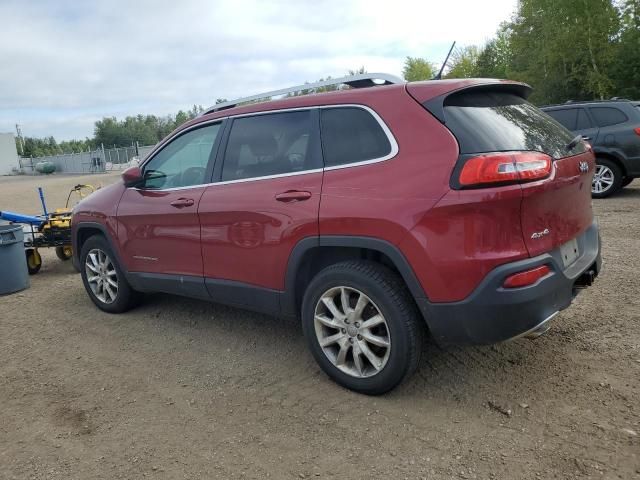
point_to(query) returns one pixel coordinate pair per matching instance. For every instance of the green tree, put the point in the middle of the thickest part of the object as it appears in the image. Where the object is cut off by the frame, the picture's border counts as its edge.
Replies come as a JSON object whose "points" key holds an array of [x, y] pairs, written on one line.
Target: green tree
{"points": [[416, 69], [564, 48], [358, 71], [464, 63], [495, 57], [625, 71]]}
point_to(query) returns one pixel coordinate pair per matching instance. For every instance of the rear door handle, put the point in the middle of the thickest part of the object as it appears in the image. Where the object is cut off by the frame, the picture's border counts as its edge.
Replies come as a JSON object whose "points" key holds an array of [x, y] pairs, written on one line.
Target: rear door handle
{"points": [[182, 202], [293, 196]]}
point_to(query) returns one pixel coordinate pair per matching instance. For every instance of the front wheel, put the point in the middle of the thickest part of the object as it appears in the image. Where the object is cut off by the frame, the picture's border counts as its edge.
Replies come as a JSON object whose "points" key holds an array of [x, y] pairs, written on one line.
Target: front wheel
{"points": [[103, 278], [362, 326], [626, 181], [607, 178]]}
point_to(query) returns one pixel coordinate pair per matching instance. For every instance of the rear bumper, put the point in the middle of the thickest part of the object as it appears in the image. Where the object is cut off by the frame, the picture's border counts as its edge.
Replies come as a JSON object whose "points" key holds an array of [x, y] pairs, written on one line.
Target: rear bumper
{"points": [[492, 313]]}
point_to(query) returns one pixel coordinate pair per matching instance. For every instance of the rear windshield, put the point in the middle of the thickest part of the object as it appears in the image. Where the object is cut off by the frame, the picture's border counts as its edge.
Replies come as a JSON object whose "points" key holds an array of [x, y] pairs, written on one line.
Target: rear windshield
{"points": [[490, 121]]}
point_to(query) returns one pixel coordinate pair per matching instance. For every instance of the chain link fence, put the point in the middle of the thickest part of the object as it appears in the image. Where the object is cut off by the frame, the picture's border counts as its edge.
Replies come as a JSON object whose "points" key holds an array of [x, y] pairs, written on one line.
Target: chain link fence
{"points": [[96, 161]]}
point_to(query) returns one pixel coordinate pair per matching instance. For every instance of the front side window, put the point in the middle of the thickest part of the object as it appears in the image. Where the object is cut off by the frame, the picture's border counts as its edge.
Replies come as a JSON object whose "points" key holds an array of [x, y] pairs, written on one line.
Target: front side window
{"points": [[270, 144], [183, 161], [606, 116], [350, 135]]}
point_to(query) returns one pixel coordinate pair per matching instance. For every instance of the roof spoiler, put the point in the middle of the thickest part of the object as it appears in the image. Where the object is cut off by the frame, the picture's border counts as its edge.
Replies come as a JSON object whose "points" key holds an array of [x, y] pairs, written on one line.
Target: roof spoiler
{"points": [[435, 105]]}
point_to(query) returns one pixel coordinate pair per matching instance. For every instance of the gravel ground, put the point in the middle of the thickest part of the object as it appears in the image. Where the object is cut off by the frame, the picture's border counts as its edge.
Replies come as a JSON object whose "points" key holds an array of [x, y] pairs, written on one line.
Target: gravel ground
{"points": [[180, 388]]}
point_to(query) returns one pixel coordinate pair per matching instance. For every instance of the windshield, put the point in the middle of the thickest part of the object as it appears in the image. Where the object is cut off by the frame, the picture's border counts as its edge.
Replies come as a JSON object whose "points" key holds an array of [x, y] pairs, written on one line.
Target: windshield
{"points": [[494, 121]]}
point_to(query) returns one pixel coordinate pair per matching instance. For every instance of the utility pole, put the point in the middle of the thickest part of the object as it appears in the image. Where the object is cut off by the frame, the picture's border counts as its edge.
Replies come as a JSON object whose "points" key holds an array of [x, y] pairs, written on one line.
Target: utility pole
{"points": [[20, 140]]}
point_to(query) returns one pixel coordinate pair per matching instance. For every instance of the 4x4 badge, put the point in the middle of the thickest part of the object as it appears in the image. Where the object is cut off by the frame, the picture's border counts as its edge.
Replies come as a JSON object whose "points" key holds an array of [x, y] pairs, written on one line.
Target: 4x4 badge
{"points": [[584, 167], [537, 235]]}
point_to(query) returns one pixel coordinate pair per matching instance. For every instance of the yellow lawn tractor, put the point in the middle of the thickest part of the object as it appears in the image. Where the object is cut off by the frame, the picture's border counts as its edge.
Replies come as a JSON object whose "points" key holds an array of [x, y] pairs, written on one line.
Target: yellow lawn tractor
{"points": [[48, 230]]}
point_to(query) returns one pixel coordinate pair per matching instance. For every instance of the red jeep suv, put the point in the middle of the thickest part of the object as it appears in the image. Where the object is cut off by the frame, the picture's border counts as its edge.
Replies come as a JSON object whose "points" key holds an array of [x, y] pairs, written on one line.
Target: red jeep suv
{"points": [[374, 214]]}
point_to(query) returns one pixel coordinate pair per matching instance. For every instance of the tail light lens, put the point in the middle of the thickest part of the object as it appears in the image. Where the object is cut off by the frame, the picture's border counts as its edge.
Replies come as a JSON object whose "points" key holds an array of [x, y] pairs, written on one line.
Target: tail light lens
{"points": [[502, 168], [528, 277], [637, 130]]}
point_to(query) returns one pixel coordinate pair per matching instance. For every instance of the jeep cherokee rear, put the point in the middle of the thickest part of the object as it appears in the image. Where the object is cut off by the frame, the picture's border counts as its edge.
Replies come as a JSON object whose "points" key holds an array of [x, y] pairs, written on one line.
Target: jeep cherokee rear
{"points": [[362, 212]]}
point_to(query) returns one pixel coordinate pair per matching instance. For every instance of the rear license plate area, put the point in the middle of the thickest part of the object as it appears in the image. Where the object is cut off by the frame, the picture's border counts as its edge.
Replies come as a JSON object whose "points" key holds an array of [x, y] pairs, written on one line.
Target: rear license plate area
{"points": [[569, 252]]}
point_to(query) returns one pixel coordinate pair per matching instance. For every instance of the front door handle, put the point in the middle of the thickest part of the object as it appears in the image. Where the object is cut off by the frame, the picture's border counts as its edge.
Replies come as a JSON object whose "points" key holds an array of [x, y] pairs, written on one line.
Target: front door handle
{"points": [[182, 202], [293, 196], [584, 137]]}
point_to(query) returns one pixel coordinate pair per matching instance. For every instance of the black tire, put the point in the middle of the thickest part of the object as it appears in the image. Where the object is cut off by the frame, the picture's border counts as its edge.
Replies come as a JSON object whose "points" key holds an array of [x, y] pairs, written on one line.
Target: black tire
{"points": [[64, 253], [626, 181], [617, 178], [387, 291], [34, 261], [125, 298]]}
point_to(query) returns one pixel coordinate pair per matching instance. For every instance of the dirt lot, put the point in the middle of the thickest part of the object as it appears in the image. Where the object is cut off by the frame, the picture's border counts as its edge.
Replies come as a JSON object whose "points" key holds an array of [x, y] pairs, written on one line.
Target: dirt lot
{"points": [[185, 389]]}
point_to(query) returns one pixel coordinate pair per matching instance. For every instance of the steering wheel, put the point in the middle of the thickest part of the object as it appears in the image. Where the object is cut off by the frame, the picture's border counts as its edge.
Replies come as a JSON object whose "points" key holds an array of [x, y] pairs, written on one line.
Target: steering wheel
{"points": [[192, 176]]}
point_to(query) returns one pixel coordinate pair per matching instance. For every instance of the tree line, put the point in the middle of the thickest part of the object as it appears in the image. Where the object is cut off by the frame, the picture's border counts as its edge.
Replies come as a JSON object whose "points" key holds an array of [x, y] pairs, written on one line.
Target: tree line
{"points": [[564, 49], [111, 132]]}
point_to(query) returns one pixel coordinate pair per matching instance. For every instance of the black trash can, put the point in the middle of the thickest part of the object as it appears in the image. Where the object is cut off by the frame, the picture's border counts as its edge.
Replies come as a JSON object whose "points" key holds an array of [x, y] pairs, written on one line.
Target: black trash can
{"points": [[14, 275]]}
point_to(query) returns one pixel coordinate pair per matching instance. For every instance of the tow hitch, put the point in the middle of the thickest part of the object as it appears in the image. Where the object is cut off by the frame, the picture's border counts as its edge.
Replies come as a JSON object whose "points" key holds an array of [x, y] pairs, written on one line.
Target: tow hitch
{"points": [[585, 280]]}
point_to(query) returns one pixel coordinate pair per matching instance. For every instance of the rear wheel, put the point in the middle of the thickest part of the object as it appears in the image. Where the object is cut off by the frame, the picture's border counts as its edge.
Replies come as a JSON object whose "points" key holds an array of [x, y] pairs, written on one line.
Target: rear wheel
{"points": [[103, 278], [64, 253], [607, 178], [34, 260], [362, 326]]}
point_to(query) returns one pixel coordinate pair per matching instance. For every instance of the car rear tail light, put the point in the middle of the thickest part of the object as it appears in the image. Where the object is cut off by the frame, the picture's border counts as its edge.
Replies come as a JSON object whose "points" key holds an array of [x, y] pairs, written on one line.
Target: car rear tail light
{"points": [[528, 277], [502, 168], [637, 130]]}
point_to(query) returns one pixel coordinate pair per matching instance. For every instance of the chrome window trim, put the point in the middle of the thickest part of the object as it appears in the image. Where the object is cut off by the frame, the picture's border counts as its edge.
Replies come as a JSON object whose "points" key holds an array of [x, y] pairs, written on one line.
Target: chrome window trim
{"points": [[392, 142]]}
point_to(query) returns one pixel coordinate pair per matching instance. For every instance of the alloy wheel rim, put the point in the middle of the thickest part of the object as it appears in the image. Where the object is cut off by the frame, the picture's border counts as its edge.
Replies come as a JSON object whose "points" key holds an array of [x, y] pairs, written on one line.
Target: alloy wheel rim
{"points": [[101, 276], [352, 332], [602, 179]]}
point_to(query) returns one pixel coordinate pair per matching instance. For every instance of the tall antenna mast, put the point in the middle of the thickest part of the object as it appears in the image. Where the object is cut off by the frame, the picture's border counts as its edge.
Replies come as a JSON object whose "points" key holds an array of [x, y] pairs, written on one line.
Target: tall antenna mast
{"points": [[20, 140], [439, 75]]}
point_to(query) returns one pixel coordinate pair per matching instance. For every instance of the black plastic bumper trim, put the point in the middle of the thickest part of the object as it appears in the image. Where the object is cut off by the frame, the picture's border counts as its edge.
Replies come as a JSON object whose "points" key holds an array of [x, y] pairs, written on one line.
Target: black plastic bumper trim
{"points": [[493, 314]]}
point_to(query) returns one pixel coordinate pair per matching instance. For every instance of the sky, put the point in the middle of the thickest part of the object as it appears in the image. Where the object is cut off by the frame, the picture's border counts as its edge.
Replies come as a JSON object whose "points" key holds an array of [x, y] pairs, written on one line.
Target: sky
{"points": [[65, 64]]}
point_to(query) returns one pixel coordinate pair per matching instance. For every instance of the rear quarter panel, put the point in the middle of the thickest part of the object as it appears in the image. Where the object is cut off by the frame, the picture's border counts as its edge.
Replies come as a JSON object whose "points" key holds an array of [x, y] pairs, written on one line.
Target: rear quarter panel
{"points": [[386, 199]]}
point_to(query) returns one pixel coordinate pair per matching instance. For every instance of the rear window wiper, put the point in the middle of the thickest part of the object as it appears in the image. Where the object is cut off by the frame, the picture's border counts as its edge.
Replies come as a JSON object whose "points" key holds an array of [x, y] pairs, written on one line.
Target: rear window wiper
{"points": [[572, 144]]}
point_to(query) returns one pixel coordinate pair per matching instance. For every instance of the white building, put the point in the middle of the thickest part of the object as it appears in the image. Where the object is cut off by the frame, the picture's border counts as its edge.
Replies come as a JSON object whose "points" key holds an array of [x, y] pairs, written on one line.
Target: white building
{"points": [[8, 154]]}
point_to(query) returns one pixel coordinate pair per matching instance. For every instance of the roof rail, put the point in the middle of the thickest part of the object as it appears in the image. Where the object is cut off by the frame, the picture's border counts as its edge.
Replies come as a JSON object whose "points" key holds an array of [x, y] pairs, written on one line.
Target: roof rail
{"points": [[361, 80], [582, 102]]}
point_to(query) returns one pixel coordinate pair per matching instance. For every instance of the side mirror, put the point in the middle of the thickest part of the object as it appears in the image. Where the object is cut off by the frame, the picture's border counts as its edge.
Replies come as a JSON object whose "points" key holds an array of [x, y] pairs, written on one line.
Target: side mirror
{"points": [[132, 176]]}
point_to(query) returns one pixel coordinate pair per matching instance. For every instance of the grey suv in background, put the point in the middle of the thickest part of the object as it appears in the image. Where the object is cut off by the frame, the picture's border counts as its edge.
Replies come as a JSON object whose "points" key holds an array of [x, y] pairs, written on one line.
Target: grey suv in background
{"points": [[612, 127]]}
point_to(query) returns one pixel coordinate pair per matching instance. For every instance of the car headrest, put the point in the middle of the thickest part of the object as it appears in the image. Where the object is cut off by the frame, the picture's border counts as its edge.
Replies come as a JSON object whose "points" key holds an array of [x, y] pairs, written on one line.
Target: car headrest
{"points": [[263, 145]]}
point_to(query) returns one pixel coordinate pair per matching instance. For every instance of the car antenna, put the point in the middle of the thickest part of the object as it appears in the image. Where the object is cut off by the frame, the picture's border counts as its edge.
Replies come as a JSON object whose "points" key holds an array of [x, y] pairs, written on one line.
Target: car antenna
{"points": [[439, 75]]}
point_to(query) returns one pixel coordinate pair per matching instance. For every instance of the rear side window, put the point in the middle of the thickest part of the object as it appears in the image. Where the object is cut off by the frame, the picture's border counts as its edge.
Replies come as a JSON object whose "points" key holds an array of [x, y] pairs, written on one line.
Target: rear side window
{"points": [[270, 144], [351, 134], [606, 116], [494, 121], [566, 117]]}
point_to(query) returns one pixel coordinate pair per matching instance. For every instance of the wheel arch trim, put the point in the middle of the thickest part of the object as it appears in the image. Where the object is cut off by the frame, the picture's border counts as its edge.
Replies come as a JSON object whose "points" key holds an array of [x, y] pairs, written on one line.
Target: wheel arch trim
{"points": [[289, 305], [94, 226], [613, 156]]}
